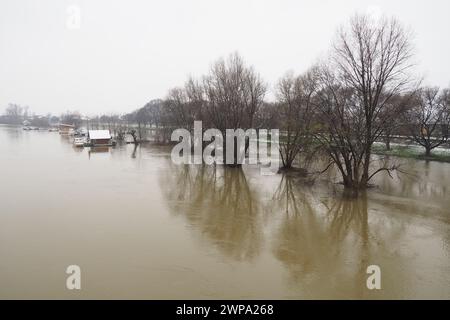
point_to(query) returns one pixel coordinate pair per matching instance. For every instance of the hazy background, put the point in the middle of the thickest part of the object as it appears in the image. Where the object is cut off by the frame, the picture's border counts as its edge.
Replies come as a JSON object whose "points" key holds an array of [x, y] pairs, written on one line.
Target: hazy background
{"points": [[125, 53]]}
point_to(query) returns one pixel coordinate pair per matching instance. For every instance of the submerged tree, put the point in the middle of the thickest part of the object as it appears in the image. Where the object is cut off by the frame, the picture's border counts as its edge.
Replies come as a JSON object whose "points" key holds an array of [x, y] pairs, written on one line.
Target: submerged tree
{"points": [[368, 67], [234, 93], [295, 114]]}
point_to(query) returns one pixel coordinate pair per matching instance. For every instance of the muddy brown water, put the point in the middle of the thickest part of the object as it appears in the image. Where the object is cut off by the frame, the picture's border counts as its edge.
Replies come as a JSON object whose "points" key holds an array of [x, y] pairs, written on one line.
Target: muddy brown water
{"points": [[141, 227]]}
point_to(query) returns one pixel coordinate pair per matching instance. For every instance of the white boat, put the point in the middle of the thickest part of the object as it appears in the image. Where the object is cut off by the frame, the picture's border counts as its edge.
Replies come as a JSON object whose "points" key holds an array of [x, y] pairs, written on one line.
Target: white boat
{"points": [[79, 141]]}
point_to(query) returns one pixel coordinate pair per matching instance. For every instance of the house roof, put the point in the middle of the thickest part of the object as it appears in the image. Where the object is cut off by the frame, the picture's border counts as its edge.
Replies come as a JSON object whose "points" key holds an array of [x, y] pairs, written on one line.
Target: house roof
{"points": [[99, 134], [66, 125]]}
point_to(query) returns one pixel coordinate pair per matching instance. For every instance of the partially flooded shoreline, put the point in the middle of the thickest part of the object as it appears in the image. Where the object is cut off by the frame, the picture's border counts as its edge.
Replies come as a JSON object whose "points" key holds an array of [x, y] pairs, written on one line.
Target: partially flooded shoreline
{"points": [[412, 151], [142, 227]]}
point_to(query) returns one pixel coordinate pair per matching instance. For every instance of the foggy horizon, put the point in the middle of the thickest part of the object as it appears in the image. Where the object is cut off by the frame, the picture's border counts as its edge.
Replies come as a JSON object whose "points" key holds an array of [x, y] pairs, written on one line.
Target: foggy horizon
{"points": [[225, 159], [126, 54]]}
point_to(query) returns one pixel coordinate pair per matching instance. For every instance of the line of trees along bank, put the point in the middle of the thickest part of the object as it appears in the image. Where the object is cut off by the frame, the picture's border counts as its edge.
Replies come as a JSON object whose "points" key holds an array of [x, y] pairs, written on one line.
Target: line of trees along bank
{"points": [[363, 92]]}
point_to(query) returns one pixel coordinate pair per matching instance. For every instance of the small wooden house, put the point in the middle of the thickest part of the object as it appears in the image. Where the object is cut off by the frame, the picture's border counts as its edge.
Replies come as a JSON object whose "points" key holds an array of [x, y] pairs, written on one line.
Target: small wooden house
{"points": [[100, 138]]}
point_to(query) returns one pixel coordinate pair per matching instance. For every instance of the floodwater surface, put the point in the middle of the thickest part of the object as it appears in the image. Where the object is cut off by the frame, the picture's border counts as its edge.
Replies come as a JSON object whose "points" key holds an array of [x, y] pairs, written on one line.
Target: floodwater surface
{"points": [[142, 227]]}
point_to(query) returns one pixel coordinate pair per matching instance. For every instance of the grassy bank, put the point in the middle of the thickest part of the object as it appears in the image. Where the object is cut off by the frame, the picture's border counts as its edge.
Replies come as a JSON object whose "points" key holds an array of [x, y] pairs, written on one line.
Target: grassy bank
{"points": [[413, 152]]}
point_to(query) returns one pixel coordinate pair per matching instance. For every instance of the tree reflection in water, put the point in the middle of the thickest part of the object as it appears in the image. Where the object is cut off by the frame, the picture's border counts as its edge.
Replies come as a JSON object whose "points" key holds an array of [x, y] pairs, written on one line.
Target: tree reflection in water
{"points": [[323, 237], [220, 204], [320, 241]]}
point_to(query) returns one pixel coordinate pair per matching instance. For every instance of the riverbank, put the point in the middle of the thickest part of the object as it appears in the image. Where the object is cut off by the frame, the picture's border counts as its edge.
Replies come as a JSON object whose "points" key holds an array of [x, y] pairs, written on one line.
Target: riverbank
{"points": [[412, 151]]}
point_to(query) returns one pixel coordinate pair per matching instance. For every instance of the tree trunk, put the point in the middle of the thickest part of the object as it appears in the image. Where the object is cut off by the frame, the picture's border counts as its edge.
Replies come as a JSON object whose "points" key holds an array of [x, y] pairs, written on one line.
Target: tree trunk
{"points": [[139, 131], [366, 166], [388, 143], [287, 165]]}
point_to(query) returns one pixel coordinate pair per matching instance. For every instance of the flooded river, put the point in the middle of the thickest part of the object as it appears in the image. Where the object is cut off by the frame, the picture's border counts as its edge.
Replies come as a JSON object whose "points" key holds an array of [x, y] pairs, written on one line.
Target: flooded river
{"points": [[141, 227]]}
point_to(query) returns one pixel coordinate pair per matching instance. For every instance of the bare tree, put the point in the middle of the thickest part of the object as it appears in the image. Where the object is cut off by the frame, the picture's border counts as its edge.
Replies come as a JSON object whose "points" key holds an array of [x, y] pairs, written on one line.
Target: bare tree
{"points": [[195, 95], [184, 105], [14, 113], [134, 135], [72, 117], [295, 96], [429, 119], [234, 93], [369, 65], [393, 116]]}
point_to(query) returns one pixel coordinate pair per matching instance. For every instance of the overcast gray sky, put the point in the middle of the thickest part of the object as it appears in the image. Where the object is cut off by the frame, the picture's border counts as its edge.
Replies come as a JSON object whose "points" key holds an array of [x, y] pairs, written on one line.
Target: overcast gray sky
{"points": [[125, 53]]}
